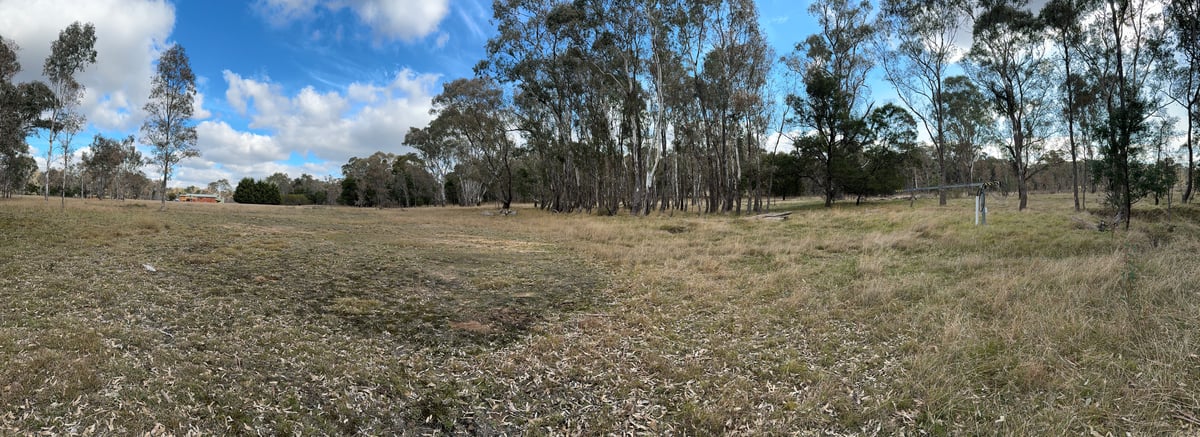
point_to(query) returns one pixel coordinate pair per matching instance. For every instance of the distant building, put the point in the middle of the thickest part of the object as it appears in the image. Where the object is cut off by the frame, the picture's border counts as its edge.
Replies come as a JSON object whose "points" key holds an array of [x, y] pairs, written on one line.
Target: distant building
{"points": [[203, 198]]}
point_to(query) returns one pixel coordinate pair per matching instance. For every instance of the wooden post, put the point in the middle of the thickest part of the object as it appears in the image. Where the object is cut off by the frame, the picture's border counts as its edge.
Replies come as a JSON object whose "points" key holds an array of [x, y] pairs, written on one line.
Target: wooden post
{"points": [[983, 205]]}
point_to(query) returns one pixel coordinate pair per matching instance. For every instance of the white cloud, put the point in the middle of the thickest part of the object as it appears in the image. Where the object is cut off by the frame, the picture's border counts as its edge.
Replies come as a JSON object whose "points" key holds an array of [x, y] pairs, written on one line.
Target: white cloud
{"points": [[199, 172], [281, 12], [406, 20], [472, 18], [219, 142], [129, 34], [363, 93], [325, 128], [198, 110]]}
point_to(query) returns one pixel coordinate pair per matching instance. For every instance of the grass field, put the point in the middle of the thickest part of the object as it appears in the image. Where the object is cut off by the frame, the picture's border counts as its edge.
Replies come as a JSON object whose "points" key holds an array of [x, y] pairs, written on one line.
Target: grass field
{"points": [[880, 319]]}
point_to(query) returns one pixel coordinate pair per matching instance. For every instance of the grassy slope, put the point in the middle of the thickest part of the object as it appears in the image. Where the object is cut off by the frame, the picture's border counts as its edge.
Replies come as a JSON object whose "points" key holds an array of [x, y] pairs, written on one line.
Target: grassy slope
{"points": [[878, 319]]}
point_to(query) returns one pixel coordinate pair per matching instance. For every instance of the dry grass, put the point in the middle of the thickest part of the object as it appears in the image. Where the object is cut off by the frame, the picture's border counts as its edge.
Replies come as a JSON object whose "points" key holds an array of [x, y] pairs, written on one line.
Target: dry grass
{"points": [[872, 320]]}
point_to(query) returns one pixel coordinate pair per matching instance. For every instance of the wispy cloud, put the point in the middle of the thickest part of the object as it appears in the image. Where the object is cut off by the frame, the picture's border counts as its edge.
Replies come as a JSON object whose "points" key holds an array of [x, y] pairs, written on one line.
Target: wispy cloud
{"points": [[471, 19]]}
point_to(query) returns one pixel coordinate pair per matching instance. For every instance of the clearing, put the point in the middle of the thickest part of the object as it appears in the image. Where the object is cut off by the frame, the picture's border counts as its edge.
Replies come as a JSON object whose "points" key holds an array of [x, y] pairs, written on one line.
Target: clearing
{"points": [[116, 318]]}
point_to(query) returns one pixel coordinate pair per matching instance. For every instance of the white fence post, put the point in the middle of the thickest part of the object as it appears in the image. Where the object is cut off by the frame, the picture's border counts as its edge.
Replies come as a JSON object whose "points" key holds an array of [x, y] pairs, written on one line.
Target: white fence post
{"points": [[976, 210]]}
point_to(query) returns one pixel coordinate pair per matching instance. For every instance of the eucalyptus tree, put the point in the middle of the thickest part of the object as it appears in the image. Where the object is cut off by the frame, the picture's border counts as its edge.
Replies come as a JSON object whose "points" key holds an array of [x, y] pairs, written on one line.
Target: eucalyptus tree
{"points": [[438, 152], [889, 149], [665, 84], [69, 55], [834, 64], [969, 126], [1119, 56], [475, 112], [71, 123], [368, 180], [727, 63], [625, 104], [281, 180], [104, 160], [9, 64], [222, 186], [919, 51], [21, 108], [1062, 22], [1008, 59], [536, 51], [168, 127], [1180, 71], [129, 173]]}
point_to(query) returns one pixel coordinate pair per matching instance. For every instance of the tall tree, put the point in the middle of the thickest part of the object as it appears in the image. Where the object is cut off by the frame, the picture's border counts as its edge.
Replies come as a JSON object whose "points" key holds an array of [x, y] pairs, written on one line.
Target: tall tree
{"points": [[970, 125], [71, 123], [1062, 18], [369, 180], [281, 180], [438, 154], [1008, 60], [103, 161], [833, 64], [1180, 71], [21, 107], [917, 61], [1119, 56], [168, 127], [888, 149], [222, 186], [70, 54], [130, 173], [474, 110], [607, 93]]}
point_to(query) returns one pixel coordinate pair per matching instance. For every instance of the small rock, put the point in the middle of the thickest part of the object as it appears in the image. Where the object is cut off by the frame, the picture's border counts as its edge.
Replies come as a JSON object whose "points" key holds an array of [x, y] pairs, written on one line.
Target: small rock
{"points": [[149, 268]]}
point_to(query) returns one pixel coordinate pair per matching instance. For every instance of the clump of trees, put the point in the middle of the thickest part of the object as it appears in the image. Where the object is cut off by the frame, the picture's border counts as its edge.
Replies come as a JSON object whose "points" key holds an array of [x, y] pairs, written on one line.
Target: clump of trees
{"points": [[607, 106], [111, 167], [258, 192], [387, 180]]}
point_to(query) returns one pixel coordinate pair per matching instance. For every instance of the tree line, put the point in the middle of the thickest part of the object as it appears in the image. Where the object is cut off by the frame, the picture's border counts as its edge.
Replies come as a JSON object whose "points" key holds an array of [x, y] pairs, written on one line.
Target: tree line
{"points": [[607, 105], [52, 108]]}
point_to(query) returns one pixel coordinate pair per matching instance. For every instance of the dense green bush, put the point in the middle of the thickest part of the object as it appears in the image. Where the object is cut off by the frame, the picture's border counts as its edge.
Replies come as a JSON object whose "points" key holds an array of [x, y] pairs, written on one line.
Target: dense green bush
{"points": [[256, 192]]}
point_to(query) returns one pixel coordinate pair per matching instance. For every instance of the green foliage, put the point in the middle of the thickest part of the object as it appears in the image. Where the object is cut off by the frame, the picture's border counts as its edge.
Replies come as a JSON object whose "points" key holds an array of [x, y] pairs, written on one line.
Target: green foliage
{"points": [[69, 54], [106, 161], [21, 106], [833, 65], [474, 114], [387, 180], [168, 126], [256, 192], [785, 174], [969, 126], [349, 194], [1008, 60]]}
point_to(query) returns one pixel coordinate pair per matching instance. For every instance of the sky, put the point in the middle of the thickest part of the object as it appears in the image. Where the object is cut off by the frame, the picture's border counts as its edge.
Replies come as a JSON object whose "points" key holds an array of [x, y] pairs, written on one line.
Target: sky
{"points": [[293, 86]]}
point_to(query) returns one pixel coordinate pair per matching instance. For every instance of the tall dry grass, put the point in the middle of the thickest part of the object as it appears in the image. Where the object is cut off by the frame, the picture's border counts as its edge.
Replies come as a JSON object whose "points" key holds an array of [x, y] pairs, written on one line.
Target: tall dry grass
{"points": [[885, 319], [873, 320]]}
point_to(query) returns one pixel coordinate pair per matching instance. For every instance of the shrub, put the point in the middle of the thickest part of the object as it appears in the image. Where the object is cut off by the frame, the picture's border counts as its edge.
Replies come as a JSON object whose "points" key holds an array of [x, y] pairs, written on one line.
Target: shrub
{"points": [[256, 192]]}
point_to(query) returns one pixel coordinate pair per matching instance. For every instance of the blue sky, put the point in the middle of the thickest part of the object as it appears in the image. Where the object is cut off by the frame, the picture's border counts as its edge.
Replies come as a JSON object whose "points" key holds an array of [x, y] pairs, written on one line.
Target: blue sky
{"points": [[297, 86]]}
